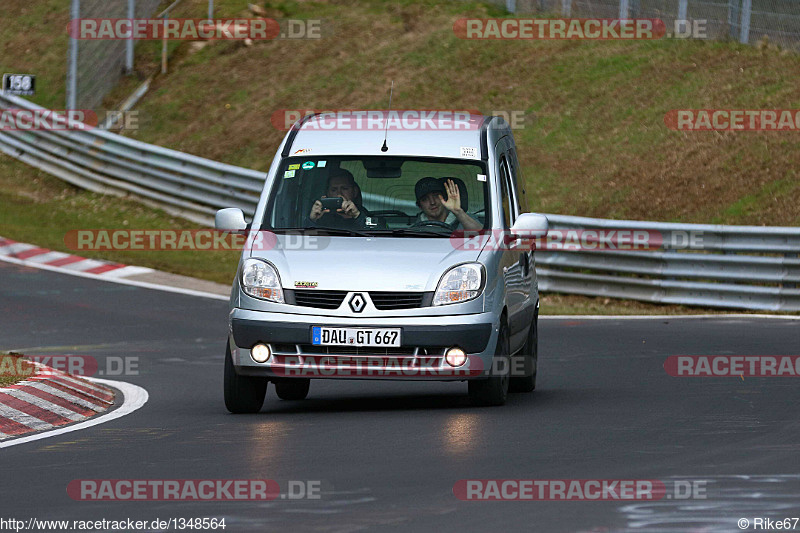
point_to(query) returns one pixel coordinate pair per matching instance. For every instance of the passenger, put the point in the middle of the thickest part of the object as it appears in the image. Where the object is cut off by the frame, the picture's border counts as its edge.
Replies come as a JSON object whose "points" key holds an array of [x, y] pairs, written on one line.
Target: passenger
{"points": [[440, 200]]}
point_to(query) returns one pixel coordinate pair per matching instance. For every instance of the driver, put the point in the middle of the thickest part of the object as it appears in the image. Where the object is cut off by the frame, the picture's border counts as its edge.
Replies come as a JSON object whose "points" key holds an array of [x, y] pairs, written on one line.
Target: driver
{"points": [[440, 201], [352, 214]]}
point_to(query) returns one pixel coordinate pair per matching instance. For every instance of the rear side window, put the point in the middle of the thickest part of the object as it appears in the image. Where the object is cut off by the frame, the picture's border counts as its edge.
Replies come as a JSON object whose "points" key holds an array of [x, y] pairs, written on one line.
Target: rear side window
{"points": [[516, 179], [508, 213]]}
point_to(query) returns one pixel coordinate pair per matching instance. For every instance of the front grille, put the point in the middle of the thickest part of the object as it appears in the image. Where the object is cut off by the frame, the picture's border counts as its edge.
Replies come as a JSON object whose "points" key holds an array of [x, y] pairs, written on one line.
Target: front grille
{"points": [[320, 299], [387, 301]]}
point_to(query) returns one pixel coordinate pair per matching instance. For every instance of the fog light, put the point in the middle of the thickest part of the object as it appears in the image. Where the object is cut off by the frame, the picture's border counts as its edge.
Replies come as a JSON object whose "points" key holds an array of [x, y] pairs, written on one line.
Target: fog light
{"points": [[260, 353], [455, 356]]}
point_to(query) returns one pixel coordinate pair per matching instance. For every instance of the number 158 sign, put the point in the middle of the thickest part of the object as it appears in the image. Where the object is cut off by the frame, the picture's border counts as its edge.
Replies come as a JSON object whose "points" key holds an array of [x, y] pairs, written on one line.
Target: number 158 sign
{"points": [[19, 84]]}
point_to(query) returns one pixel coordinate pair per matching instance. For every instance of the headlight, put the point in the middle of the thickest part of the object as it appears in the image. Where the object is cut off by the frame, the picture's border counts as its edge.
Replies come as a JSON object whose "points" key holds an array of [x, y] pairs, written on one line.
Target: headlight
{"points": [[261, 280], [459, 284]]}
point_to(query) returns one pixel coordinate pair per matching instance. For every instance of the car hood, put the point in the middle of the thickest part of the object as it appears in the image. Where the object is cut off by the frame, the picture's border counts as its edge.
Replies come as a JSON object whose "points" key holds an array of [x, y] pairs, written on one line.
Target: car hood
{"points": [[366, 263]]}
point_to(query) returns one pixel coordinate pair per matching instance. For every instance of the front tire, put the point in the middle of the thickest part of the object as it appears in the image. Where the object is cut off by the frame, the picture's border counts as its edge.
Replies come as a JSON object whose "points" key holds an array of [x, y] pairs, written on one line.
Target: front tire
{"points": [[243, 394], [530, 353], [292, 389], [493, 391]]}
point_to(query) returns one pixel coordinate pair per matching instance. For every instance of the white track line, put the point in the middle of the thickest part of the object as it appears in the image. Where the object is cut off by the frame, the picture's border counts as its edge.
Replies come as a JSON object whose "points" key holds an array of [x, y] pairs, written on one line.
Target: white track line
{"points": [[134, 397]]}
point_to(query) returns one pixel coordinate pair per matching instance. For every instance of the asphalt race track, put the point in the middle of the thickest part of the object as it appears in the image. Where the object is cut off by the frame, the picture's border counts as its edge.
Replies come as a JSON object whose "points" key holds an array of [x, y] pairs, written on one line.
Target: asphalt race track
{"points": [[388, 454]]}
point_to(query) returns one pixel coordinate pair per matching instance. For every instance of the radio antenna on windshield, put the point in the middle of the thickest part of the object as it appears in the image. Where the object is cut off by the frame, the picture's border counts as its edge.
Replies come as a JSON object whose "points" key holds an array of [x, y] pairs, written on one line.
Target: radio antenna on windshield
{"points": [[385, 148]]}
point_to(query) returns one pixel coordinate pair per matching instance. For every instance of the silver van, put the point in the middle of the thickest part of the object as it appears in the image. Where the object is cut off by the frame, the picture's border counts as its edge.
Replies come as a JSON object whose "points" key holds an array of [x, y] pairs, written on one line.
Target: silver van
{"points": [[386, 250]]}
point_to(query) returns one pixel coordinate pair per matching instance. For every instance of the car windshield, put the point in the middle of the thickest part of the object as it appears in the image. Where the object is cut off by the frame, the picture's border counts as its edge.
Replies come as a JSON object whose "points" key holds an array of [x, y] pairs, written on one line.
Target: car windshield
{"points": [[383, 196]]}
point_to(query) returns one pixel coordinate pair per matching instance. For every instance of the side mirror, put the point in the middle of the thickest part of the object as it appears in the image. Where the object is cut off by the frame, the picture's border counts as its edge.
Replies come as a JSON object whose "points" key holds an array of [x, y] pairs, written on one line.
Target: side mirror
{"points": [[530, 225], [230, 219]]}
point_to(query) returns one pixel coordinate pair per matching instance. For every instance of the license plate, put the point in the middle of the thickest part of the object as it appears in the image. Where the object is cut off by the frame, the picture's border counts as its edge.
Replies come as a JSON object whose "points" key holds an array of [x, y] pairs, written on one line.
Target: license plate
{"points": [[373, 337]]}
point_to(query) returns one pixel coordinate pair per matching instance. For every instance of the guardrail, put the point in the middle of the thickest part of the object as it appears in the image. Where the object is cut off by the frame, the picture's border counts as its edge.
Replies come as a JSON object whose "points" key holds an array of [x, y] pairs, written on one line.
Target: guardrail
{"points": [[742, 267], [182, 184]]}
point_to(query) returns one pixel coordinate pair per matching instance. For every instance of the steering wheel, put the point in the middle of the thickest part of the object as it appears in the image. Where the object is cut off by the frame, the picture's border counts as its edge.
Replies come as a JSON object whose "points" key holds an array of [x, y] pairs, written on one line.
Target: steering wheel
{"points": [[433, 223]]}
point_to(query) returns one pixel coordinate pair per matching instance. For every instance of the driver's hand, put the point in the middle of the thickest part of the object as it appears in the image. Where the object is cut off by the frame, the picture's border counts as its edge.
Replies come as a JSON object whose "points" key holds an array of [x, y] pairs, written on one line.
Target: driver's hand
{"points": [[316, 210], [453, 202], [349, 209]]}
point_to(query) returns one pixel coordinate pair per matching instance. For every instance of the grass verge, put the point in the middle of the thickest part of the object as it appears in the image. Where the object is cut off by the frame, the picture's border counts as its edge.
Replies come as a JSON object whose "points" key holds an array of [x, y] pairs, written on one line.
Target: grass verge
{"points": [[39, 209]]}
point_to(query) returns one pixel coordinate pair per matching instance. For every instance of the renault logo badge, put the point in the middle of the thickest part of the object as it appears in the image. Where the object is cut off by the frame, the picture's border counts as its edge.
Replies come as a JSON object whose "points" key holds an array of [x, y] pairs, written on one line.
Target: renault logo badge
{"points": [[357, 302]]}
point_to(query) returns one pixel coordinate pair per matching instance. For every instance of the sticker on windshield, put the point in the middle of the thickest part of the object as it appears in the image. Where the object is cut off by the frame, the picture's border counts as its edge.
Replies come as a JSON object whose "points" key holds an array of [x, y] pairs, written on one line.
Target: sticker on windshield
{"points": [[289, 174], [321, 164], [481, 177], [308, 165], [296, 166], [469, 151]]}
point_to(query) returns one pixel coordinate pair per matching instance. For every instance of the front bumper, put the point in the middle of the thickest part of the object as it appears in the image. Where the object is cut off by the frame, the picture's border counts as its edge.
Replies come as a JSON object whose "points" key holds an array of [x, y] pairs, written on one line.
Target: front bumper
{"points": [[424, 340]]}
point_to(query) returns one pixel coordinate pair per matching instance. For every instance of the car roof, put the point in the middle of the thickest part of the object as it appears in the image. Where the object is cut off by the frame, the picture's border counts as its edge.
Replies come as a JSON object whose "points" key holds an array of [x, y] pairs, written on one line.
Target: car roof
{"points": [[451, 134]]}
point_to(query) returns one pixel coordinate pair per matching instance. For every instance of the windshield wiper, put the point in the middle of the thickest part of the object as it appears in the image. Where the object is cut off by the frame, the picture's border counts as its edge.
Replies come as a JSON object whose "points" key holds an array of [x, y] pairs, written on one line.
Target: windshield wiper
{"points": [[398, 232], [410, 232], [323, 229]]}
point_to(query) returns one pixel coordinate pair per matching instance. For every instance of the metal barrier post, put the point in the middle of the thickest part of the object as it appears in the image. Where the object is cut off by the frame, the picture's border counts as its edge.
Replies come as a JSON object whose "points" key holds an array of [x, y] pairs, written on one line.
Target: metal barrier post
{"points": [[164, 44], [733, 5], [129, 43], [682, 10], [744, 35], [72, 59]]}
